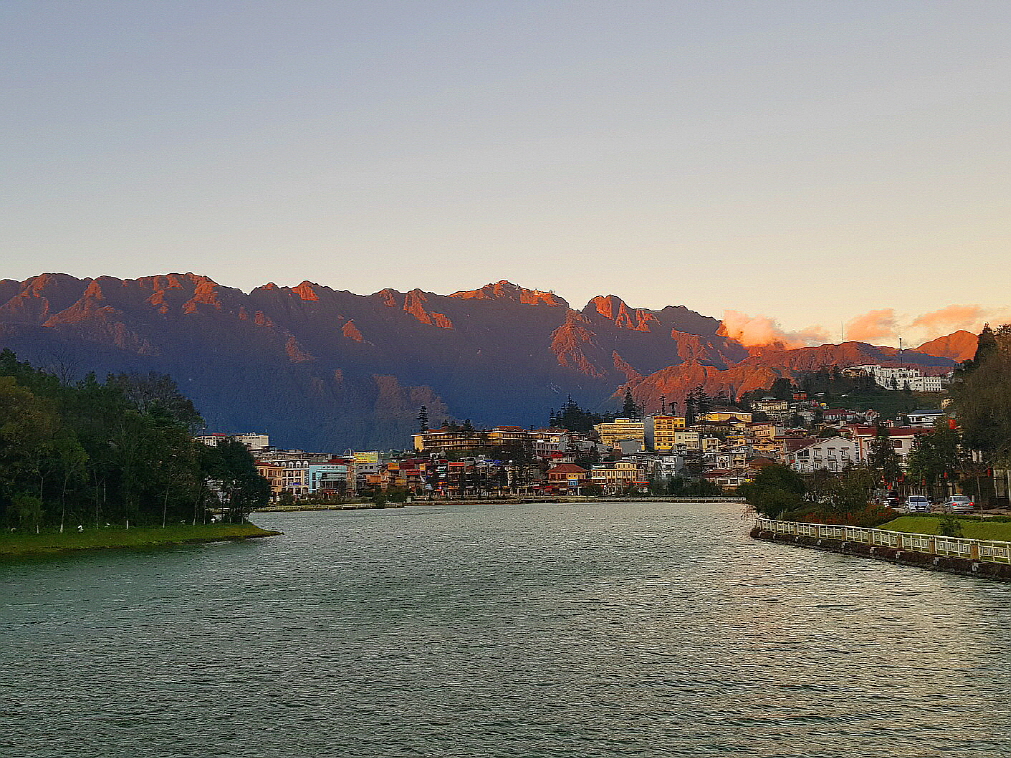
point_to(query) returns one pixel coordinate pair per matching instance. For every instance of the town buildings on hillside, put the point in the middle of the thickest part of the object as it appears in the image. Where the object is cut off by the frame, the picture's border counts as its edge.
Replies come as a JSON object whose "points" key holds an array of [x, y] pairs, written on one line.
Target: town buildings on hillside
{"points": [[725, 446]]}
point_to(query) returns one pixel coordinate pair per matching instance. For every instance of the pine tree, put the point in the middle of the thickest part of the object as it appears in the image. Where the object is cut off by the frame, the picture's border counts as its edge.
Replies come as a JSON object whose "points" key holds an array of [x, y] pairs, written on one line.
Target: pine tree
{"points": [[629, 409]]}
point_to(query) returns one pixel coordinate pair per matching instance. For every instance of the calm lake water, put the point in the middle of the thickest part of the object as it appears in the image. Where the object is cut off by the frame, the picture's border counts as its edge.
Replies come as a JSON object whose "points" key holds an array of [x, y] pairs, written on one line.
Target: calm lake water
{"points": [[646, 629]]}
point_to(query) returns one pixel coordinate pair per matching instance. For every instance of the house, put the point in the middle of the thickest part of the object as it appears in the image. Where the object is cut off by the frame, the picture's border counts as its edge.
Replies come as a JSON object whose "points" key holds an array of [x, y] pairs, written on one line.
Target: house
{"points": [[567, 476], [550, 441], [924, 418], [617, 476], [728, 481], [789, 445], [468, 438], [335, 478], [711, 444], [777, 410], [836, 415], [254, 442], [274, 474], [902, 438], [833, 453]]}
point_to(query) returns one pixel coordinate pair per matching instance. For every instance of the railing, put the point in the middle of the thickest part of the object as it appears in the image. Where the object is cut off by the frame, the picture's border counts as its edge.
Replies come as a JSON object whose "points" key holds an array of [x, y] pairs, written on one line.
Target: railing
{"points": [[987, 551]]}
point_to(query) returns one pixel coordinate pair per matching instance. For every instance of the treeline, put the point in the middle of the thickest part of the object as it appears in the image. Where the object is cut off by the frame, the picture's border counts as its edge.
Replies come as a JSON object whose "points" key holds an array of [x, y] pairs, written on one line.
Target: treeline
{"points": [[696, 405], [966, 452], [778, 491], [116, 452]]}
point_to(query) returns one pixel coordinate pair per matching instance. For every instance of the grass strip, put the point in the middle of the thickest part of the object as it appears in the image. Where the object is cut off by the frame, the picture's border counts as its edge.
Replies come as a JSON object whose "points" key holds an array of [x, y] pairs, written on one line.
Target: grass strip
{"points": [[15, 544], [972, 528]]}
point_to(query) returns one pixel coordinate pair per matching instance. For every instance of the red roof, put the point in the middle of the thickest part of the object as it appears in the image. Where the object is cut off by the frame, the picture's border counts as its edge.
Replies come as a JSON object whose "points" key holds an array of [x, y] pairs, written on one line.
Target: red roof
{"points": [[567, 468]]}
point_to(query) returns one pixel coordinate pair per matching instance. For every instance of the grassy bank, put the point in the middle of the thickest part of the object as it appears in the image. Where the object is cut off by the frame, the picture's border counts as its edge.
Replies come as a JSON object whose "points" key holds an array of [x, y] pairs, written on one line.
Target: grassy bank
{"points": [[971, 527], [14, 545]]}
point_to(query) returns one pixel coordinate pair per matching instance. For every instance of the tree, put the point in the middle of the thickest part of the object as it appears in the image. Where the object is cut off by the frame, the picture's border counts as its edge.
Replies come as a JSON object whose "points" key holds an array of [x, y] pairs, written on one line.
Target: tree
{"points": [[775, 490], [147, 392], [949, 526], [574, 418], [27, 425], [882, 456], [850, 493], [423, 419], [119, 451], [986, 346], [697, 405], [782, 389], [29, 511], [982, 395], [935, 456], [629, 409], [242, 487]]}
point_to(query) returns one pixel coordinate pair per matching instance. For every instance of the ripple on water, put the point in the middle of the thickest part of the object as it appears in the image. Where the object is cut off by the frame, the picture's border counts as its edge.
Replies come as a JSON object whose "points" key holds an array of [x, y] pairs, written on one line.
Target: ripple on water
{"points": [[535, 630]]}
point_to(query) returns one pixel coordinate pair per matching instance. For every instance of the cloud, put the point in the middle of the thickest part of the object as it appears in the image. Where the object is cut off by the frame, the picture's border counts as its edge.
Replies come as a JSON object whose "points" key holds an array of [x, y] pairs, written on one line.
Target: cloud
{"points": [[952, 318], [759, 331], [872, 326]]}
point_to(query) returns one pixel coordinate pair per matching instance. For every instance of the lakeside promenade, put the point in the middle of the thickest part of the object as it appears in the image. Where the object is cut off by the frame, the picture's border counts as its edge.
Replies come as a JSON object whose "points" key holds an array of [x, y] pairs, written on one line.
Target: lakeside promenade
{"points": [[957, 555]]}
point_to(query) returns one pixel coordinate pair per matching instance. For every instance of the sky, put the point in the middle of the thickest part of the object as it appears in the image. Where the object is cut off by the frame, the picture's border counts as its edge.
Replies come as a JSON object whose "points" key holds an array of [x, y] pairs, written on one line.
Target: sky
{"points": [[818, 169]]}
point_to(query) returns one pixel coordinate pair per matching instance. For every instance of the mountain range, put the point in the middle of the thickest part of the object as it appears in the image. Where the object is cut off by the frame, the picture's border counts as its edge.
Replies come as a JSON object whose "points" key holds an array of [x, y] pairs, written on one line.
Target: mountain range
{"points": [[327, 369]]}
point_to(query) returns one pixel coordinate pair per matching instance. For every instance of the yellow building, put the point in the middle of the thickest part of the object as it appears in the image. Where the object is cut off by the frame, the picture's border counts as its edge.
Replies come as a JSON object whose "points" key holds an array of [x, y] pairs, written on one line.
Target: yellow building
{"points": [[616, 476], [612, 432], [660, 432], [273, 473], [729, 415]]}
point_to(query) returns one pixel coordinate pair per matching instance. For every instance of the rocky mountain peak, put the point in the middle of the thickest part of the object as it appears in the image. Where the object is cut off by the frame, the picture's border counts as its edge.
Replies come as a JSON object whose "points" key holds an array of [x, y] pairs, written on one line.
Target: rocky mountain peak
{"points": [[506, 290]]}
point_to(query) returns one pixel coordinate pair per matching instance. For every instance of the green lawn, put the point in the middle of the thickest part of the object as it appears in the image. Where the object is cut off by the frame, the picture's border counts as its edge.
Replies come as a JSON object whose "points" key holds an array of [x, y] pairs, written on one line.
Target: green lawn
{"points": [[14, 544], [971, 527]]}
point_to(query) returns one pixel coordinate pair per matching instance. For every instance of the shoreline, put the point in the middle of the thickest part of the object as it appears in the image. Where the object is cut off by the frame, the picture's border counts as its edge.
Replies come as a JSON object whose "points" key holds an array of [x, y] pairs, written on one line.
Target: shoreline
{"points": [[17, 546], [949, 564], [496, 501]]}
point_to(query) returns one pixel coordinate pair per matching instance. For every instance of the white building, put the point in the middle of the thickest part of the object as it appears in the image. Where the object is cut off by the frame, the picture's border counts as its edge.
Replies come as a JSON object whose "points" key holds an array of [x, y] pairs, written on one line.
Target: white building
{"points": [[898, 378], [924, 418], [832, 453], [903, 439], [253, 441]]}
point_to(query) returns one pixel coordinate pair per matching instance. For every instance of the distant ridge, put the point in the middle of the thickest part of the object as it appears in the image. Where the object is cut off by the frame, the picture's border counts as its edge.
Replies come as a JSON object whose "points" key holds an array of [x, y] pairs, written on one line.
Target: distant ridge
{"points": [[327, 369]]}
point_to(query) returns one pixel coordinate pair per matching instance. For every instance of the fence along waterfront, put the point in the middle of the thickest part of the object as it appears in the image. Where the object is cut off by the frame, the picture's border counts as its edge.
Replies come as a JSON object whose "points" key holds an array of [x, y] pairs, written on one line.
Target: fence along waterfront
{"points": [[987, 551]]}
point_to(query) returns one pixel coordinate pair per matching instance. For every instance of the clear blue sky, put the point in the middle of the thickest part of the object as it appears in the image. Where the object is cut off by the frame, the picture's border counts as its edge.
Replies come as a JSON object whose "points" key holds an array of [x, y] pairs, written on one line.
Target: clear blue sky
{"points": [[810, 161]]}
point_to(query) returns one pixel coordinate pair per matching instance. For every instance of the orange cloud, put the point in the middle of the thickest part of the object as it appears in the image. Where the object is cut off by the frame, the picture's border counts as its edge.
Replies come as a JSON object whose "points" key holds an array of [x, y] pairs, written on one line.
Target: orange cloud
{"points": [[759, 331], [872, 326], [950, 319]]}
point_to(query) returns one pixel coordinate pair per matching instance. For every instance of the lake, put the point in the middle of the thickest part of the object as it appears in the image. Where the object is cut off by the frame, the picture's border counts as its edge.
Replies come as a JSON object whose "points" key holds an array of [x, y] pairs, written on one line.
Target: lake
{"points": [[621, 629]]}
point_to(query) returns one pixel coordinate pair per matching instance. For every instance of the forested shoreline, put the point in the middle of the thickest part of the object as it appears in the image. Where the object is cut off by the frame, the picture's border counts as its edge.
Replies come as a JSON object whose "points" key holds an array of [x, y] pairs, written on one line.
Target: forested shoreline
{"points": [[117, 452]]}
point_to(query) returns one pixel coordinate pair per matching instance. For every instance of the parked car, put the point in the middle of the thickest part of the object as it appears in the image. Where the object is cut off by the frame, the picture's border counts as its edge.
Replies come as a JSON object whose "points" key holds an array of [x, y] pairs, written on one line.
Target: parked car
{"points": [[917, 504], [958, 504]]}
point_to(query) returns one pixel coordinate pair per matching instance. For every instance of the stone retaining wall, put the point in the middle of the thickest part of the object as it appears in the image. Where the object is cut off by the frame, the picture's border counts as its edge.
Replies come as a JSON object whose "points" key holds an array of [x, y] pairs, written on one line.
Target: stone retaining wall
{"points": [[950, 564]]}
